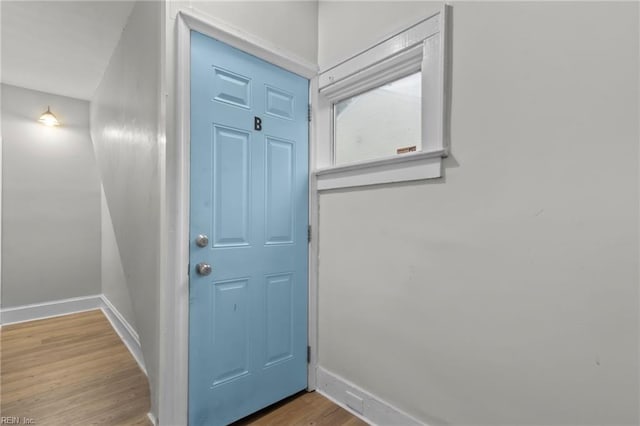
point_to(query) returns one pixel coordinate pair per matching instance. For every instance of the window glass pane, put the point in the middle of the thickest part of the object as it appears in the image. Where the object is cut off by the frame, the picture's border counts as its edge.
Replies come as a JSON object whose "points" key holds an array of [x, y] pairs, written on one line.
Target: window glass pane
{"points": [[382, 122]]}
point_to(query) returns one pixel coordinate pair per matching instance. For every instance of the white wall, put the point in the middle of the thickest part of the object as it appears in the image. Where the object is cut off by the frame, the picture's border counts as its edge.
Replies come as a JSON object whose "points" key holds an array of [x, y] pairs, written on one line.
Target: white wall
{"points": [[114, 281], [125, 129], [506, 292], [51, 200]]}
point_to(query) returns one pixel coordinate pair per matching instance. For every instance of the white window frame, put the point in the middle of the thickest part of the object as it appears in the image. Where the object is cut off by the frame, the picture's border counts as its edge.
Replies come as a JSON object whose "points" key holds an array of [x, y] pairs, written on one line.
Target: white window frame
{"points": [[421, 47]]}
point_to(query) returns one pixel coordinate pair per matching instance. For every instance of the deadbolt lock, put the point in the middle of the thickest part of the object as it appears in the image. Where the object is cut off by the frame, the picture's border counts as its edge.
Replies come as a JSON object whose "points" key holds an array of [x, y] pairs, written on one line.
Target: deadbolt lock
{"points": [[202, 240]]}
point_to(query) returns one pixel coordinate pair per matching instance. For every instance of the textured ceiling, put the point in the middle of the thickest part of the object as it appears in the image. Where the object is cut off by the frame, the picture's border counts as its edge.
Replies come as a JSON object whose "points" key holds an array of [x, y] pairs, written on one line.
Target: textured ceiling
{"points": [[60, 47]]}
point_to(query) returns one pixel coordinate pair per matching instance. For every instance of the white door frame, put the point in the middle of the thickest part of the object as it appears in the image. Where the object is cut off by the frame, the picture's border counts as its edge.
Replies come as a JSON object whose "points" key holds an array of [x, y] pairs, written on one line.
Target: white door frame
{"points": [[174, 350]]}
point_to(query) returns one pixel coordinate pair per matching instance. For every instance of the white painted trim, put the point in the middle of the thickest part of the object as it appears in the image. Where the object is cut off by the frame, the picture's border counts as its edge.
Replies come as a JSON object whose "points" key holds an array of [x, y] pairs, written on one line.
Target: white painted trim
{"points": [[444, 71], [174, 372], [438, 153], [248, 43], [152, 418], [165, 317], [395, 44], [57, 308], [314, 222], [393, 68], [175, 299], [126, 332], [121, 319], [375, 411], [423, 165], [51, 309]]}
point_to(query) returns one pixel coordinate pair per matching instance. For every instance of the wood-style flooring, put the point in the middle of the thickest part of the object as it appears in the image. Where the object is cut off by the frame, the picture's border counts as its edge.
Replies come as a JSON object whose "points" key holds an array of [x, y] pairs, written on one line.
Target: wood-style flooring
{"points": [[70, 370], [75, 370], [303, 409]]}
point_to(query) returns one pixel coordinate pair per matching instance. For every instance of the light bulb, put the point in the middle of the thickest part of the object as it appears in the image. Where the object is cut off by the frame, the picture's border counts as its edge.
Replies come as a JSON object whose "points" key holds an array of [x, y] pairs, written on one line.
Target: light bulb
{"points": [[48, 119]]}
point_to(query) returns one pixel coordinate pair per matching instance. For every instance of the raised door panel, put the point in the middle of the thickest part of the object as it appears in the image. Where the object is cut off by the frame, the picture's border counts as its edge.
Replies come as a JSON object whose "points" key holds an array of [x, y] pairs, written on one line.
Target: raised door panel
{"points": [[231, 187], [230, 330], [279, 318], [279, 170]]}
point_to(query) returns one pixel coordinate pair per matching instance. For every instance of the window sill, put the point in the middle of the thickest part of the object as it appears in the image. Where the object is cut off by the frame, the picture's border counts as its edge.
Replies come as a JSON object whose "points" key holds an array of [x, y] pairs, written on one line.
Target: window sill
{"points": [[407, 167]]}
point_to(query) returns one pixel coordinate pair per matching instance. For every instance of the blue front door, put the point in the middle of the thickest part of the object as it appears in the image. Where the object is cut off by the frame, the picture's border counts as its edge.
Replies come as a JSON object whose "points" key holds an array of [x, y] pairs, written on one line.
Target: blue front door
{"points": [[249, 217]]}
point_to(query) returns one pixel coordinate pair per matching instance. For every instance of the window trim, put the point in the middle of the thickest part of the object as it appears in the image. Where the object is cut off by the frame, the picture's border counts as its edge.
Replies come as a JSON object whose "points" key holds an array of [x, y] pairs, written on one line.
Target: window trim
{"points": [[420, 47], [414, 166]]}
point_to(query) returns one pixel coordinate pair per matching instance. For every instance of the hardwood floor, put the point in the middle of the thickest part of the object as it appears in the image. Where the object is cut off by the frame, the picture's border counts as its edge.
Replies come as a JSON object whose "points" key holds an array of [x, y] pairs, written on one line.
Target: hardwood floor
{"points": [[306, 408], [75, 370], [70, 370]]}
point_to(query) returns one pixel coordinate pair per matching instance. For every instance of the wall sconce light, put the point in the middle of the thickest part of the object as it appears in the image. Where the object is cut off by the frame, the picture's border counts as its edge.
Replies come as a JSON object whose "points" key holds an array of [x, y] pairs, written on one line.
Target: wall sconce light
{"points": [[48, 119]]}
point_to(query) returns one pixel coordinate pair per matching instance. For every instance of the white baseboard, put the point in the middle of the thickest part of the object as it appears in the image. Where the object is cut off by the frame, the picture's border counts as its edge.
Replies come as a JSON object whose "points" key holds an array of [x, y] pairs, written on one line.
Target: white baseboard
{"points": [[126, 332], [74, 305], [360, 403], [49, 309], [152, 418]]}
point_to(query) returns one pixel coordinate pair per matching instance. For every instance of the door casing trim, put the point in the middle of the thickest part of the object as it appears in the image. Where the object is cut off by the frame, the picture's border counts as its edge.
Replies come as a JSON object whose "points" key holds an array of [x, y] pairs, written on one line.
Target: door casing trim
{"points": [[174, 294]]}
